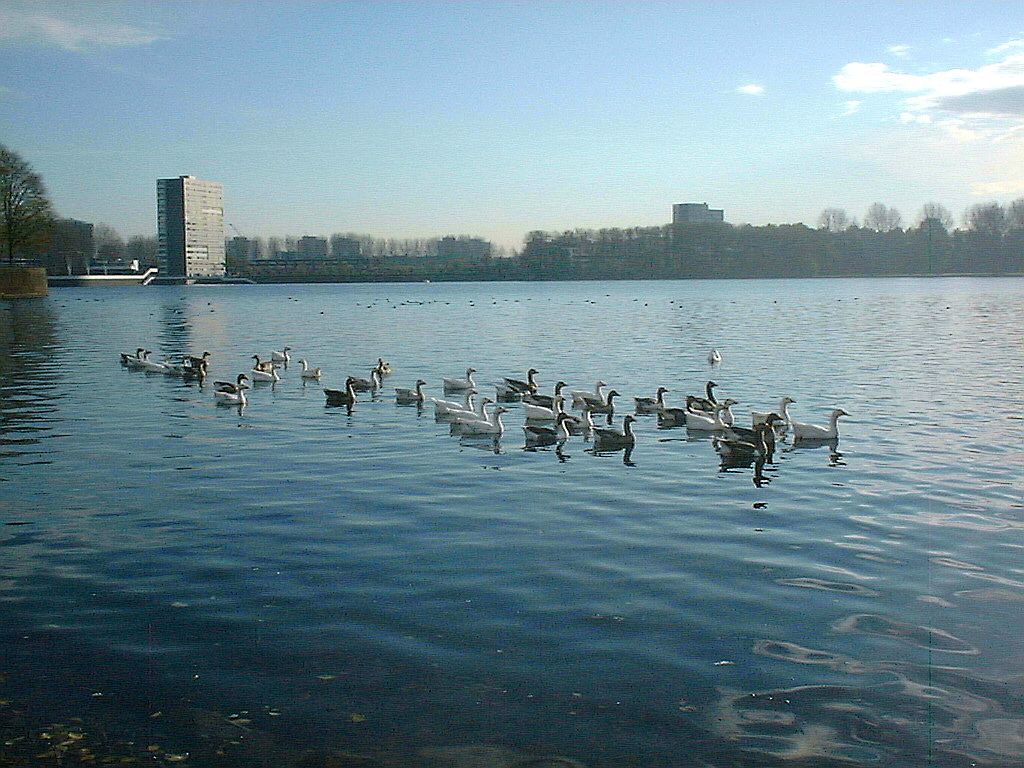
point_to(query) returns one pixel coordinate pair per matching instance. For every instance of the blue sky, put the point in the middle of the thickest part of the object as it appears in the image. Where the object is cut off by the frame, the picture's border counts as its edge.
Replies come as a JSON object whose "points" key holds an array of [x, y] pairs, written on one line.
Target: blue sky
{"points": [[421, 119]]}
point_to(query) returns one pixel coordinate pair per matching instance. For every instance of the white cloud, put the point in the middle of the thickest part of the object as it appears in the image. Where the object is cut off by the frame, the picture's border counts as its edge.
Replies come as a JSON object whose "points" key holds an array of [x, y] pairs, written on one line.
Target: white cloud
{"points": [[989, 188], [1008, 47], [902, 51], [47, 29], [751, 89], [851, 107]]}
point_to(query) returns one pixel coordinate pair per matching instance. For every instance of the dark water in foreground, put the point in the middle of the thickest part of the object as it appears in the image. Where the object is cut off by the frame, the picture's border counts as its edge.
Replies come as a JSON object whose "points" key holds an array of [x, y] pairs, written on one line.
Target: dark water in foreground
{"points": [[246, 587]]}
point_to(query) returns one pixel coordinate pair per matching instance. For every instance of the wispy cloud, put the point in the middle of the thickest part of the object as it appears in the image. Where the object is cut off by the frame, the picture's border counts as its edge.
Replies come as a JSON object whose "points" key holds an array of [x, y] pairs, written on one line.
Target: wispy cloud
{"points": [[1008, 47], [902, 51], [751, 89], [851, 107], [38, 28]]}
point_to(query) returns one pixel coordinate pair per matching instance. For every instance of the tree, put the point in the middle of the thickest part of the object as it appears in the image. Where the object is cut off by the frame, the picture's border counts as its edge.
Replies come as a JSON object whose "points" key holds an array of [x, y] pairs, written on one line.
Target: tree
{"points": [[26, 217], [986, 219], [1015, 214], [933, 216], [833, 220], [881, 218], [109, 244], [143, 249]]}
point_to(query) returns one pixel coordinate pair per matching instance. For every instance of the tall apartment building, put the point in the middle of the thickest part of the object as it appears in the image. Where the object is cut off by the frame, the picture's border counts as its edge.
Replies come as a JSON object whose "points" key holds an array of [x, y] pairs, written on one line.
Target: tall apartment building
{"points": [[310, 247], [190, 227], [696, 213]]}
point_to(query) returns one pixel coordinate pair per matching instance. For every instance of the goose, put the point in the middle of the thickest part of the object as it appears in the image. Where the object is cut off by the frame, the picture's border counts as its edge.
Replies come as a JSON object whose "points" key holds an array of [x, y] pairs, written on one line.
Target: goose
{"points": [[540, 413], [480, 414], [755, 434], [516, 386], [127, 358], [547, 401], [414, 395], [460, 384], [748, 446], [310, 374], [708, 403], [609, 436], [346, 396], [703, 422], [548, 434], [264, 365], [148, 365], [607, 407], [232, 387], [225, 397], [383, 367], [714, 357], [282, 356], [452, 407], [783, 413], [651, 404], [196, 362], [815, 432], [579, 397], [371, 384], [493, 426], [259, 374]]}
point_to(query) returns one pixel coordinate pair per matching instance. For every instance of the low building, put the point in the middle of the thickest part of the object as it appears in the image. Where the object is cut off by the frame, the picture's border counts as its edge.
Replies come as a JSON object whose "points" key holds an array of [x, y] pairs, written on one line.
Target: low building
{"points": [[696, 213], [242, 249], [471, 248], [312, 247]]}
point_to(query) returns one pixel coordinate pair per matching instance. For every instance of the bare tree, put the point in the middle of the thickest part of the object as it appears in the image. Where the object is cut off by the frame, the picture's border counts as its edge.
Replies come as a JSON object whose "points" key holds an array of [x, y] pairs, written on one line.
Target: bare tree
{"points": [[934, 216], [142, 249], [833, 220], [986, 219], [109, 243], [882, 218], [26, 217], [1015, 214]]}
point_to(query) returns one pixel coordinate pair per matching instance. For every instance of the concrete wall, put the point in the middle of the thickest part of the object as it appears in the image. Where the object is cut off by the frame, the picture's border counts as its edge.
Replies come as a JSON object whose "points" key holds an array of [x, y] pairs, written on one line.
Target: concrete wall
{"points": [[22, 282]]}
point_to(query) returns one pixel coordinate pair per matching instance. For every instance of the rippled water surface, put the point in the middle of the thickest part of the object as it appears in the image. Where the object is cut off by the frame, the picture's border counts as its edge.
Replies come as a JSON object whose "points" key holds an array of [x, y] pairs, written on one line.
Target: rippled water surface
{"points": [[246, 587]]}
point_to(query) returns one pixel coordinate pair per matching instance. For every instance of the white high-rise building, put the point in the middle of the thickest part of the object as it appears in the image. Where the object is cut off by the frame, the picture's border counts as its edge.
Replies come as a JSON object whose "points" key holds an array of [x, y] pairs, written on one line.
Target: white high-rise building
{"points": [[190, 227]]}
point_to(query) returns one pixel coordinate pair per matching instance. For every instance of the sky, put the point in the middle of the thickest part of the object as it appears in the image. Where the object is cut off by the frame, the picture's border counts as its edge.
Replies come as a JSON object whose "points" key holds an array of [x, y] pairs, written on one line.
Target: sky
{"points": [[496, 118]]}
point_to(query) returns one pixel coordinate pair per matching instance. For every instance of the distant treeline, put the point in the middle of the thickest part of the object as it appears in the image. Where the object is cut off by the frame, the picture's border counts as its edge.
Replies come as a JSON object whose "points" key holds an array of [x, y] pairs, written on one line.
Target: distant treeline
{"points": [[699, 251]]}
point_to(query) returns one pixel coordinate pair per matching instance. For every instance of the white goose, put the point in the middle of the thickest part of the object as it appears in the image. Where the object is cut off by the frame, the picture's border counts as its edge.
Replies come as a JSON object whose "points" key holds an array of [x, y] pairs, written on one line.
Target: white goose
{"points": [[714, 357], [282, 356], [259, 374], [149, 365], [702, 422], [760, 418], [458, 385], [446, 407], [480, 414], [815, 432], [414, 395], [540, 413], [580, 397], [231, 394], [310, 374], [491, 427], [129, 359]]}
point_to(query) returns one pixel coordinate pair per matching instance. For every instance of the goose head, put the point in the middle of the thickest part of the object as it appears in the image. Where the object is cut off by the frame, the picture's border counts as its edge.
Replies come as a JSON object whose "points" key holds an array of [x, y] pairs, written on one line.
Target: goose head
{"points": [[662, 390], [559, 387], [422, 383], [839, 412], [788, 401], [241, 377], [613, 393]]}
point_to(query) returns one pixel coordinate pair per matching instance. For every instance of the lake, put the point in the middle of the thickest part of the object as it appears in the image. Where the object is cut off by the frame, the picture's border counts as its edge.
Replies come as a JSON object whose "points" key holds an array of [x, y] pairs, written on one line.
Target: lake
{"points": [[292, 584]]}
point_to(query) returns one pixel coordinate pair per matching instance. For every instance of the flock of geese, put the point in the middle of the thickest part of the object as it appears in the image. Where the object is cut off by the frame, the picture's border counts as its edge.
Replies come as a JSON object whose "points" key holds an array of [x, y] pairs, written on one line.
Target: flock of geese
{"points": [[548, 418]]}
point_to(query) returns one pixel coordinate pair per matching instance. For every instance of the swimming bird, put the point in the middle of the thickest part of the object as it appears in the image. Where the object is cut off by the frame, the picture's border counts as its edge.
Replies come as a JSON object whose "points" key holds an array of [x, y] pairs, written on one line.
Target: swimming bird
{"points": [[651, 404], [196, 362], [694, 403], [749, 446], [414, 395], [491, 427], [581, 396], [310, 374], [260, 374], [234, 387], [460, 384], [128, 358], [560, 431], [451, 407], [231, 394], [509, 386], [480, 414], [546, 401], [815, 432], [611, 437], [383, 367], [757, 433], [265, 365], [371, 384], [608, 406], [149, 365], [282, 356], [714, 357], [346, 396], [540, 413], [704, 422], [783, 413]]}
